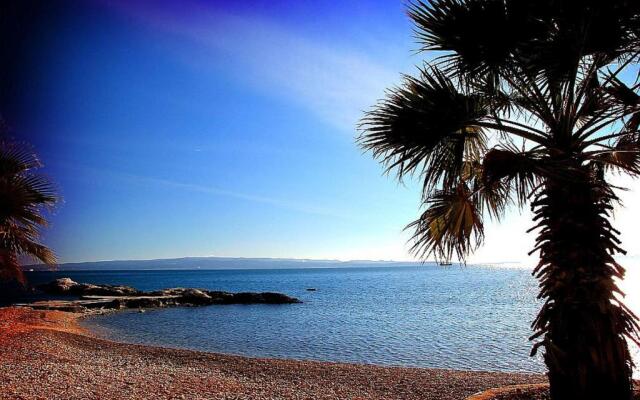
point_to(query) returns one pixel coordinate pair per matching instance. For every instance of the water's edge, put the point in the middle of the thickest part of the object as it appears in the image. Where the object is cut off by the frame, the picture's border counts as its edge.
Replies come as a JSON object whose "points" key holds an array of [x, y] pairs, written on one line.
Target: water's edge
{"points": [[474, 318]]}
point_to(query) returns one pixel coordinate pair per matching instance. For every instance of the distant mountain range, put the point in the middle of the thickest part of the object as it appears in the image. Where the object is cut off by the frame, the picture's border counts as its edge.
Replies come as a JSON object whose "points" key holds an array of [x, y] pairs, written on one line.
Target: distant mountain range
{"points": [[220, 263]]}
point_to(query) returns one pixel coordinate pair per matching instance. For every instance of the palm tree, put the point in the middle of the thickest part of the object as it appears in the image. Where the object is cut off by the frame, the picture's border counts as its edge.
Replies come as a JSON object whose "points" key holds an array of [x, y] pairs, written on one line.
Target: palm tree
{"points": [[23, 197], [528, 102]]}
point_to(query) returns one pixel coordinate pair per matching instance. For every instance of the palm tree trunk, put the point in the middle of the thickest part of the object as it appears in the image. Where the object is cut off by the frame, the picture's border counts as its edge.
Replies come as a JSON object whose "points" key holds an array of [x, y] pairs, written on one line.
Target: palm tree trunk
{"points": [[582, 327]]}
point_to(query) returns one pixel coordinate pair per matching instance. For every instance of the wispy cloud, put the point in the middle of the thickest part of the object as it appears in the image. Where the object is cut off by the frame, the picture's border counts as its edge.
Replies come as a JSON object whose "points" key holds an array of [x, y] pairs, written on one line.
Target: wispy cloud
{"points": [[291, 205], [334, 82], [212, 190]]}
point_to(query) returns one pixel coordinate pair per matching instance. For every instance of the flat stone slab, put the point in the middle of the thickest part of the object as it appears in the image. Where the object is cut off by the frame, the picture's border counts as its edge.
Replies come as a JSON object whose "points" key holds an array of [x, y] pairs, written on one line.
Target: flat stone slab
{"points": [[110, 297]]}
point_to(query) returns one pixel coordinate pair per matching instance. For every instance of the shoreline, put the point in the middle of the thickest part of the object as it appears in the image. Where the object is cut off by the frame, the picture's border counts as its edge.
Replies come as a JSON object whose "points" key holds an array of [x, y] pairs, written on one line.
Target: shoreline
{"points": [[47, 354], [89, 329]]}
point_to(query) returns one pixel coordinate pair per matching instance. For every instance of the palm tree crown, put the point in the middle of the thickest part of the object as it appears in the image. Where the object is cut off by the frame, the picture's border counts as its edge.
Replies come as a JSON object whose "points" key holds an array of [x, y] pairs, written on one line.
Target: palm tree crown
{"points": [[527, 102], [539, 82], [23, 197]]}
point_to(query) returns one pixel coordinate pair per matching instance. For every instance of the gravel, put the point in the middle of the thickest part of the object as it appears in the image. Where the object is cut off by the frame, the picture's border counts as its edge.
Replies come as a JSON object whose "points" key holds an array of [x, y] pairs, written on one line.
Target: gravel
{"points": [[45, 355]]}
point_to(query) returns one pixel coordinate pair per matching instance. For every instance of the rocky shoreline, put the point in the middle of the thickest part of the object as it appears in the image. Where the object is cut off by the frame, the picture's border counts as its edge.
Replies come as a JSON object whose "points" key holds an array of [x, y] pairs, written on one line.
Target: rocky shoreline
{"points": [[90, 298]]}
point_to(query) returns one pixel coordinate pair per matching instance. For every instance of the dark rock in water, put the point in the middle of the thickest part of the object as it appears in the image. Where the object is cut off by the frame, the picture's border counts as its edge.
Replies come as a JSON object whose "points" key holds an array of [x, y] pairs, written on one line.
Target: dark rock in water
{"points": [[142, 302], [311, 289], [59, 286], [107, 290], [221, 297], [109, 297], [265, 298], [185, 295], [195, 296]]}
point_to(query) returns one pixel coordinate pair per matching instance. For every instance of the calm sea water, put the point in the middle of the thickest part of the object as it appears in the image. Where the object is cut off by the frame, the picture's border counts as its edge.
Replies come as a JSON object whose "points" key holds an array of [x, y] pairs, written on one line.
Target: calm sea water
{"points": [[447, 317]]}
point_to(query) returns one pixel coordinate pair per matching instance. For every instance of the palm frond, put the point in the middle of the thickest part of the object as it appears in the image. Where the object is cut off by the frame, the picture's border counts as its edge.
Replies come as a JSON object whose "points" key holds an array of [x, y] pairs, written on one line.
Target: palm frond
{"points": [[623, 94], [517, 170], [490, 198], [428, 126], [24, 196], [595, 29], [477, 36], [16, 158], [624, 156], [451, 224]]}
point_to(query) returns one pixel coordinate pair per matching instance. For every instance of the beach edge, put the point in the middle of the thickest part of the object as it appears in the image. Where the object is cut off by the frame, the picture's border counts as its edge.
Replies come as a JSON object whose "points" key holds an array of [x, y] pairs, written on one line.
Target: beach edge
{"points": [[41, 343]]}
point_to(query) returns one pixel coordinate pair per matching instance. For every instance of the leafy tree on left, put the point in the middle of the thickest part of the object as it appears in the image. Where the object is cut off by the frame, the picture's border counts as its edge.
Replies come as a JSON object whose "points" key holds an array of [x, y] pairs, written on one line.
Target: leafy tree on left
{"points": [[25, 196]]}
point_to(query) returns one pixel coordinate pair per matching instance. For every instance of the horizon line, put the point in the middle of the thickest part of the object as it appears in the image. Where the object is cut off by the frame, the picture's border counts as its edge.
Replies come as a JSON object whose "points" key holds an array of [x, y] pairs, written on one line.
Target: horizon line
{"points": [[294, 259]]}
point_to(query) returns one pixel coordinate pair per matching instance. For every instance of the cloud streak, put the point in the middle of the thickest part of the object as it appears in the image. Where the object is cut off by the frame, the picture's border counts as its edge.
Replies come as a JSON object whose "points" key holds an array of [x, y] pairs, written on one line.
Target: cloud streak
{"points": [[279, 203], [331, 81], [296, 206]]}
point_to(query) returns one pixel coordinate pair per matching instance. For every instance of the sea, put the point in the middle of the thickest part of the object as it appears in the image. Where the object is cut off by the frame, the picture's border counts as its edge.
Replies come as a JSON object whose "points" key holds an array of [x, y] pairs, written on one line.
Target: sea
{"points": [[468, 317]]}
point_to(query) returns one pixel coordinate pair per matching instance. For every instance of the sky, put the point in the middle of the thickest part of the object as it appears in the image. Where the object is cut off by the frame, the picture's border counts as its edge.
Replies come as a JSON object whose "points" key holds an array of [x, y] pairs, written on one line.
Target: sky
{"points": [[225, 128]]}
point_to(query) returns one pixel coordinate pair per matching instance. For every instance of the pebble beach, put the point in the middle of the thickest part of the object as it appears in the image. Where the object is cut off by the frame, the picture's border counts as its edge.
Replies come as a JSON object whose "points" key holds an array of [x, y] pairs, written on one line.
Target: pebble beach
{"points": [[47, 355]]}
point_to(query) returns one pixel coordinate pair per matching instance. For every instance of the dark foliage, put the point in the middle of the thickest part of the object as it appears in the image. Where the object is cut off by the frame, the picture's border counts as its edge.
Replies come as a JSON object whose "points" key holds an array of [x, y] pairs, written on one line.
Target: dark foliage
{"points": [[24, 195], [528, 101]]}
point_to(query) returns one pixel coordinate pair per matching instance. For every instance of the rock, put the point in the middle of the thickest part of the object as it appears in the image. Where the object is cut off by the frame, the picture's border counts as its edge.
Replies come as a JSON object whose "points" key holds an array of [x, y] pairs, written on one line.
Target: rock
{"points": [[311, 289], [66, 286], [67, 306], [265, 298], [110, 297], [196, 296], [167, 292], [218, 297], [106, 290], [279, 298], [59, 286], [109, 304], [143, 302]]}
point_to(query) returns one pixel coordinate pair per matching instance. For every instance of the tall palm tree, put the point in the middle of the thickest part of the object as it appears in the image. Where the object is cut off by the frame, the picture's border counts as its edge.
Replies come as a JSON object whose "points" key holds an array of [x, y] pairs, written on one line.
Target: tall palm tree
{"points": [[528, 102], [24, 195]]}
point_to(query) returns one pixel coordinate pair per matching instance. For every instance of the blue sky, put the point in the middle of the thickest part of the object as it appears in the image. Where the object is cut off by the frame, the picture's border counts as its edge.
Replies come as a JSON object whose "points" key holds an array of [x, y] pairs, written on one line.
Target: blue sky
{"points": [[223, 128], [212, 129]]}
